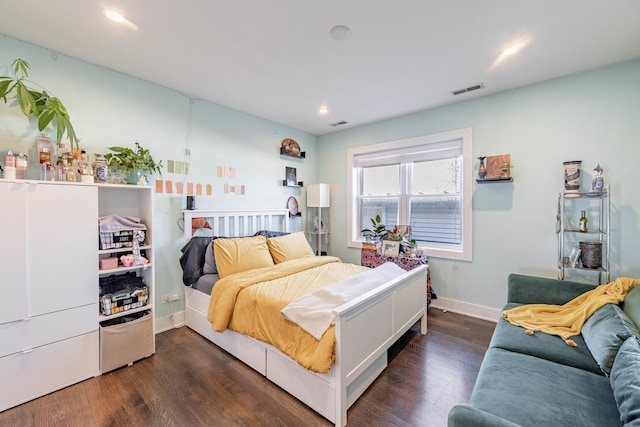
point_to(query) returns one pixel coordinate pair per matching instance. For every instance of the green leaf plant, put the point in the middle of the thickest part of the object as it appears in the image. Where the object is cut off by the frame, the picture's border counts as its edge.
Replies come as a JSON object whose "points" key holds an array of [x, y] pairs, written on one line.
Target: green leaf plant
{"points": [[46, 109], [131, 160], [378, 228]]}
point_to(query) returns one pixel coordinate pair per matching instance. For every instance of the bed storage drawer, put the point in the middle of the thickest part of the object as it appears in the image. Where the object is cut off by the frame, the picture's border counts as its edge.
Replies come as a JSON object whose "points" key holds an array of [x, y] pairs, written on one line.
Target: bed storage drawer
{"points": [[34, 373], [124, 343], [41, 330]]}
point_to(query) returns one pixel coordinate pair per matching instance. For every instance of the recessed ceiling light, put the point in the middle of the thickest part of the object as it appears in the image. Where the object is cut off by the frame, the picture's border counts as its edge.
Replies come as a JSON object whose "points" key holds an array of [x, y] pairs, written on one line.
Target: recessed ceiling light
{"points": [[340, 32], [323, 109], [114, 16], [510, 51]]}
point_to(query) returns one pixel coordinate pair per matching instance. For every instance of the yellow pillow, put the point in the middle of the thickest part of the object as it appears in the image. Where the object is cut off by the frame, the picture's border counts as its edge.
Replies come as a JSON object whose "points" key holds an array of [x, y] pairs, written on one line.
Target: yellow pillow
{"points": [[289, 246], [241, 254]]}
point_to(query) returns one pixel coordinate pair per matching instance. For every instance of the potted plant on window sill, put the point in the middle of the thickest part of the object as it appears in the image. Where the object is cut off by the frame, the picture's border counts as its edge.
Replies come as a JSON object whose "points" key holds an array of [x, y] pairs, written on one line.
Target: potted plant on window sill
{"points": [[134, 163], [377, 230], [44, 108]]}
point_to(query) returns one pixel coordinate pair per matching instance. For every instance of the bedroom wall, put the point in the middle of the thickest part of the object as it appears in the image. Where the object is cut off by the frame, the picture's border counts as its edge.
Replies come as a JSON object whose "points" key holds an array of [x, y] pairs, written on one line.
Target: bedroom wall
{"points": [[108, 108], [592, 116]]}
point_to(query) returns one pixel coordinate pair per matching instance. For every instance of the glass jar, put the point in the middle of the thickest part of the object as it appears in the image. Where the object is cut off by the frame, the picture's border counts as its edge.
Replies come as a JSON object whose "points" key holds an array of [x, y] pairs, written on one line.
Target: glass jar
{"points": [[21, 166], [100, 169]]}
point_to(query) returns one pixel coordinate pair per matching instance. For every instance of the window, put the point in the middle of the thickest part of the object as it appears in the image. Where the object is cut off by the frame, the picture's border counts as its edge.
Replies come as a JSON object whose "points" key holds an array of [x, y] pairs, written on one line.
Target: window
{"points": [[423, 182]]}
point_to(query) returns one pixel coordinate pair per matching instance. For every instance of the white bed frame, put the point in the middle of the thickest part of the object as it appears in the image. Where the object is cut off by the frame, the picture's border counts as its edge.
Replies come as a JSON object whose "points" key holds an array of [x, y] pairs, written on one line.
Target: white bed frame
{"points": [[365, 328]]}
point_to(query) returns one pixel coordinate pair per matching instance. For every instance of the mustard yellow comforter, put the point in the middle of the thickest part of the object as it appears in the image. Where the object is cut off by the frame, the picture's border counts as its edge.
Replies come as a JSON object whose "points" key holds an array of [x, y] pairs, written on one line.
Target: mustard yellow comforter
{"points": [[250, 303]]}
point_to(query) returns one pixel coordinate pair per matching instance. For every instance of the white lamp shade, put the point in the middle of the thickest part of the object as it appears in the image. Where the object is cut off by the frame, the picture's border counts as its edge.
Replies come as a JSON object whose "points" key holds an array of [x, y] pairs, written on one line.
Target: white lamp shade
{"points": [[318, 196]]}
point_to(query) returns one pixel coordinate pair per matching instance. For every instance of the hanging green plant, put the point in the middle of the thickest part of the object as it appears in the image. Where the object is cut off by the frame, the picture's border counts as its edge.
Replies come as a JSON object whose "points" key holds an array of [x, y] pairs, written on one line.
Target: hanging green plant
{"points": [[46, 109]]}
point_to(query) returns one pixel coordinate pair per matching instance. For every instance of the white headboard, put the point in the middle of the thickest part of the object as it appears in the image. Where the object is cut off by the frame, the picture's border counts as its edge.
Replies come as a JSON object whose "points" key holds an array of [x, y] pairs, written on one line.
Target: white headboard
{"points": [[238, 223]]}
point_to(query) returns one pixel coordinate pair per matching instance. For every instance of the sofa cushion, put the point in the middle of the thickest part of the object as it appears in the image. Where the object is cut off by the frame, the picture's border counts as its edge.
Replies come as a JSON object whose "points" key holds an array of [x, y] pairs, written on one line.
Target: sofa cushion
{"points": [[604, 332], [631, 306], [536, 392], [625, 381], [545, 346]]}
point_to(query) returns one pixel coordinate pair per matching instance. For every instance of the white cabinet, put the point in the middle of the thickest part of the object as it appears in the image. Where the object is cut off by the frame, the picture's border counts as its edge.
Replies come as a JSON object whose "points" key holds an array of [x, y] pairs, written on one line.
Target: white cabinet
{"points": [[13, 252], [49, 309], [61, 228]]}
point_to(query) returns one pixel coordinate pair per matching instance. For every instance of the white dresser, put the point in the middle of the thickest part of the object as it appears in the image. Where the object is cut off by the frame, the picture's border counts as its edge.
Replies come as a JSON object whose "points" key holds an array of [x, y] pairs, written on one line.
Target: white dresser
{"points": [[48, 275]]}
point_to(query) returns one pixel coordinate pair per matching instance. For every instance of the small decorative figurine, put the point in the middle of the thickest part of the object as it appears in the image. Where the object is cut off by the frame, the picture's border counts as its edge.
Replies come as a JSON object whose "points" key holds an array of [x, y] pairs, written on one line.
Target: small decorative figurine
{"points": [[598, 181], [142, 181]]}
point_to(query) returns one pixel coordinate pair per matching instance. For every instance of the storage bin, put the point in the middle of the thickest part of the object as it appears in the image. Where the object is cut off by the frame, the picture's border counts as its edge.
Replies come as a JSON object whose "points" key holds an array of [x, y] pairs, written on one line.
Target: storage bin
{"points": [[108, 263], [124, 300], [116, 239], [120, 232], [122, 292], [125, 340]]}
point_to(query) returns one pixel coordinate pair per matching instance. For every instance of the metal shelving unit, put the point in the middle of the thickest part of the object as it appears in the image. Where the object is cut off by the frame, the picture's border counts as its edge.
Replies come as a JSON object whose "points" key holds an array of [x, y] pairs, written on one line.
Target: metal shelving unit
{"points": [[598, 207]]}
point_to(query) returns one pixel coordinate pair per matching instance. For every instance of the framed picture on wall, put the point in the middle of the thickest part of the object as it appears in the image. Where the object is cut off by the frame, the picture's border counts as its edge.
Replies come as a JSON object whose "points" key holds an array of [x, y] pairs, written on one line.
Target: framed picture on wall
{"points": [[390, 247], [292, 179]]}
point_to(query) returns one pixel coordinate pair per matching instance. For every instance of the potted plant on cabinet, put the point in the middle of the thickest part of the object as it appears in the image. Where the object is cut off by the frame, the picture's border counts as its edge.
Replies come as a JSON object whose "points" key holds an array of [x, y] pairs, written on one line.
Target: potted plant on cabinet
{"points": [[46, 109], [133, 162]]}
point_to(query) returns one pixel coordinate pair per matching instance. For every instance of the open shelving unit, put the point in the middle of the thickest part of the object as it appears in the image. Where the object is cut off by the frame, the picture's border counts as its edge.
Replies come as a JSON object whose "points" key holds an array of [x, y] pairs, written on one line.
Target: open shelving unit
{"points": [[597, 207]]}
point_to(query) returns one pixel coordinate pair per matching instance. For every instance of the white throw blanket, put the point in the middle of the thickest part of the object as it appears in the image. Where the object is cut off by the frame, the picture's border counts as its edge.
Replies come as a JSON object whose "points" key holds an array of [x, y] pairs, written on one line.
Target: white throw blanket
{"points": [[314, 311]]}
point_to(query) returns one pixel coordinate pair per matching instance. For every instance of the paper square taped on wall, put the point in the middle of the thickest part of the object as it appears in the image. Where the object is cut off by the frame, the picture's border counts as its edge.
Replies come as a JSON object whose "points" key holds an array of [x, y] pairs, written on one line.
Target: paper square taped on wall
{"points": [[168, 185], [179, 187], [159, 186], [209, 189], [198, 189], [190, 188]]}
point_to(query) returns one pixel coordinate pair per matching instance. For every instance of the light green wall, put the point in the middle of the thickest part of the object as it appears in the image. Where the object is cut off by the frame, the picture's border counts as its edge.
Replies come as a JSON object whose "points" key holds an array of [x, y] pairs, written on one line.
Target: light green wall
{"points": [[109, 108], [592, 116]]}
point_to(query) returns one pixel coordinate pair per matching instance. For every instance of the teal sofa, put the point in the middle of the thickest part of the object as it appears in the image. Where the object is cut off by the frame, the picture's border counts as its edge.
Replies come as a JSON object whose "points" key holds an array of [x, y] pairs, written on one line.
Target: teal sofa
{"points": [[539, 380]]}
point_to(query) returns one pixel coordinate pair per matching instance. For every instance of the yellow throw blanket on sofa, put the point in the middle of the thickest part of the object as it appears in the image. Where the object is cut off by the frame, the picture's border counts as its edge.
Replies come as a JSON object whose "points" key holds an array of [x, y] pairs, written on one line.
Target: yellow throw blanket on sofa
{"points": [[567, 320]]}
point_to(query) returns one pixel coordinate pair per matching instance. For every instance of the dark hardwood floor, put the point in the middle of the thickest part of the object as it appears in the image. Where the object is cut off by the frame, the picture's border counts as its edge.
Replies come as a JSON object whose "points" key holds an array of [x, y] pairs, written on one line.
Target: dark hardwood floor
{"points": [[191, 382]]}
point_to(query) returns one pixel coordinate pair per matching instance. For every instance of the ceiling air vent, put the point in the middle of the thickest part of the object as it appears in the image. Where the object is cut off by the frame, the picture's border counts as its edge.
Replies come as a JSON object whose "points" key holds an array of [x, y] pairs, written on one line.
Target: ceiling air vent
{"points": [[467, 89], [338, 123]]}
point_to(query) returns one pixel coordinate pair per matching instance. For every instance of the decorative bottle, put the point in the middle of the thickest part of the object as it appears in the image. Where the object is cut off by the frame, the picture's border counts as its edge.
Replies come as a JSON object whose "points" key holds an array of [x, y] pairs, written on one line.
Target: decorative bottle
{"points": [[100, 169], [583, 222], [44, 148]]}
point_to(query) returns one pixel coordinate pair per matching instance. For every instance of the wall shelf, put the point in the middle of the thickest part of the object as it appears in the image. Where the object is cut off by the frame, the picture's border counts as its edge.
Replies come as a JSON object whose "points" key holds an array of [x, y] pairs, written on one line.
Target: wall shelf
{"points": [[493, 180], [283, 152], [299, 185]]}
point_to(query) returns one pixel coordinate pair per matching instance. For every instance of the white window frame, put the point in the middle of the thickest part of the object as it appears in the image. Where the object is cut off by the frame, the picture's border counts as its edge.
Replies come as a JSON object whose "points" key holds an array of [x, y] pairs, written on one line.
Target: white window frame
{"points": [[463, 251]]}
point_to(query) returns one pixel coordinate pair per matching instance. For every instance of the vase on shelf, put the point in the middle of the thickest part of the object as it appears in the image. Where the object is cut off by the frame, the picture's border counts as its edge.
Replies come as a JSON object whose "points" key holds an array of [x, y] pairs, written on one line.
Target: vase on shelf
{"points": [[572, 176], [482, 170], [136, 177]]}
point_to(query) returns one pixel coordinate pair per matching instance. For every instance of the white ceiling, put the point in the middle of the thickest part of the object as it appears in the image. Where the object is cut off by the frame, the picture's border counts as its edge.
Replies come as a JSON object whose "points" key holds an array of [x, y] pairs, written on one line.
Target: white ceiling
{"points": [[274, 58]]}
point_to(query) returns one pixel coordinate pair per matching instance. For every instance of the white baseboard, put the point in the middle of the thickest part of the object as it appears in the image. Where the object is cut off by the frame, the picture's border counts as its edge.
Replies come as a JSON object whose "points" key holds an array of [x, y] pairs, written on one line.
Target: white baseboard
{"points": [[176, 320], [466, 308], [473, 310]]}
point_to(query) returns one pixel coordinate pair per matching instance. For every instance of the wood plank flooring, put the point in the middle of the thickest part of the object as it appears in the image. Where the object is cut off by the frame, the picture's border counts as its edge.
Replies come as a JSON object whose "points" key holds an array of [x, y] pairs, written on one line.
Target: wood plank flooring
{"points": [[191, 382]]}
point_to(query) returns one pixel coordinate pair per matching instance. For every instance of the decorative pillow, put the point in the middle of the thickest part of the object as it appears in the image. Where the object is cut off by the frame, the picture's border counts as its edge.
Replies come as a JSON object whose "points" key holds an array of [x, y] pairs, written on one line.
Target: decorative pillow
{"points": [[192, 259], [625, 382], [632, 306], [604, 332], [241, 254], [209, 266], [198, 223], [269, 233], [291, 246]]}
